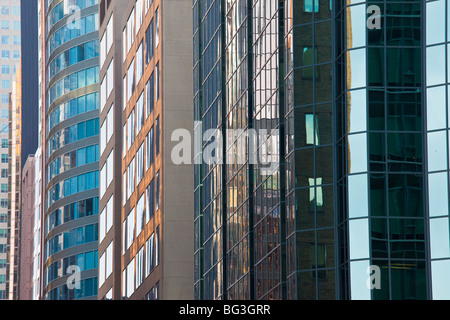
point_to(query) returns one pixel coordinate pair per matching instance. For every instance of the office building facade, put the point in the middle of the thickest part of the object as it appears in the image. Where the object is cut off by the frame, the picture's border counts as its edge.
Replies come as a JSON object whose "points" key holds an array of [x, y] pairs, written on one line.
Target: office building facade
{"points": [[353, 201], [69, 100], [10, 51], [146, 233], [26, 230]]}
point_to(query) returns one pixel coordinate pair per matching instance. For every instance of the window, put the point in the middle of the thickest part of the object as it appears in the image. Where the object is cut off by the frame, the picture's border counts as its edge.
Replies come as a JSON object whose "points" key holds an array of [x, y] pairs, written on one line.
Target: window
{"points": [[102, 50], [103, 96], [16, 25], [110, 79], [3, 204], [5, 98], [5, 39], [4, 158], [130, 180], [140, 222], [4, 173], [17, 40], [16, 54], [109, 260], [139, 14], [140, 165], [130, 278], [103, 136], [130, 31], [149, 248], [157, 247], [139, 267], [6, 84], [6, 69], [131, 85], [150, 149], [150, 88], [149, 49], [110, 33], [5, 143], [130, 228], [4, 10], [157, 82], [124, 44], [157, 136], [101, 270], [150, 210], [156, 27], [16, 10], [157, 191], [110, 169], [109, 213], [131, 130], [140, 113], [110, 123], [5, 54], [5, 114], [139, 63], [4, 24], [4, 188]]}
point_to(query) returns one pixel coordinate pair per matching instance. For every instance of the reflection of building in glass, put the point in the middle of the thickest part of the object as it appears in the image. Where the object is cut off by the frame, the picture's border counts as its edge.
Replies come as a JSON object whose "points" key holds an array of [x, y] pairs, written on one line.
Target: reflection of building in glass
{"points": [[69, 147], [363, 155]]}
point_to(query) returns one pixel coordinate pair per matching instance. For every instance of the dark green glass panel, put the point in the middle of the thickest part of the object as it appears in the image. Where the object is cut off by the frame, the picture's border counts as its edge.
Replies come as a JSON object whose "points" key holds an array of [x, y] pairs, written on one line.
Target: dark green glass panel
{"points": [[404, 152], [303, 46], [376, 66], [403, 24], [324, 207], [408, 280], [306, 286], [304, 167], [379, 237], [303, 11], [407, 238], [405, 195], [303, 86], [377, 152], [304, 209], [304, 126], [404, 67], [323, 83], [322, 41], [376, 110], [378, 195], [324, 167], [324, 11], [381, 293], [324, 114], [305, 240], [404, 110], [375, 37], [325, 249]]}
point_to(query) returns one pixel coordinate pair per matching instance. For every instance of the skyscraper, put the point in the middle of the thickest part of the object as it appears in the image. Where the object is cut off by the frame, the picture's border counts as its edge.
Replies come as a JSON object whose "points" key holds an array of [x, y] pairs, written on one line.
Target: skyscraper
{"points": [[10, 59], [69, 78], [146, 232], [357, 189]]}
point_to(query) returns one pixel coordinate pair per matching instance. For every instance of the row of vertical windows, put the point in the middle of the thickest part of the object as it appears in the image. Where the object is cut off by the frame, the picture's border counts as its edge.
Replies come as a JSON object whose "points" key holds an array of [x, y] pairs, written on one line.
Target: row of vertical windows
{"points": [[71, 134], [85, 261], [72, 56], [73, 159], [73, 108], [5, 39], [66, 7], [88, 288], [72, 30], [71, 212], [141, 266], [6, 25], [84, 182], [71, 238], [105, 264], [5, 10], [72, 82], [152, 199]]}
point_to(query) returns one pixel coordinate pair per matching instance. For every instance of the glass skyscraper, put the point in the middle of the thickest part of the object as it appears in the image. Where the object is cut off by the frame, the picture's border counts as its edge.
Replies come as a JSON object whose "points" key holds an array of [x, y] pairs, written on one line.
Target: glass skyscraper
{"points": [[350, 197], [69, 76]]}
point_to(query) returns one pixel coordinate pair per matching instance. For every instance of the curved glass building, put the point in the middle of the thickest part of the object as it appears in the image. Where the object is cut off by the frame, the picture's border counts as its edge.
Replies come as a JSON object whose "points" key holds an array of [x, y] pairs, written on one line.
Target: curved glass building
{"points": [[69, 70]]}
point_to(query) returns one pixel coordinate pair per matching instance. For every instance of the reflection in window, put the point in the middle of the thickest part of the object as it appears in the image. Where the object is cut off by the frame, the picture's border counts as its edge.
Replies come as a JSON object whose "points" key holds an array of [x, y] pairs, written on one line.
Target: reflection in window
{"points": [[312, 129], [308, 6]]}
